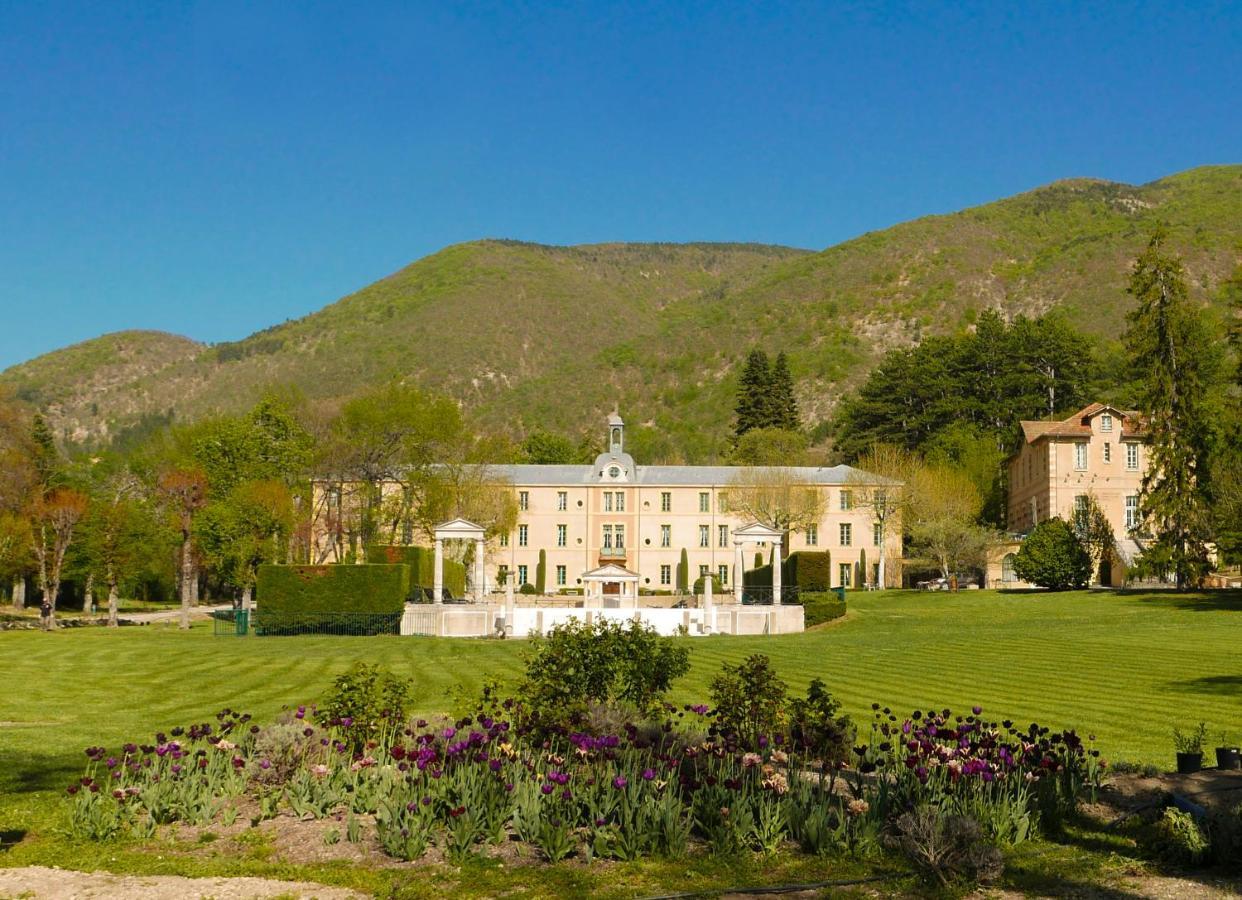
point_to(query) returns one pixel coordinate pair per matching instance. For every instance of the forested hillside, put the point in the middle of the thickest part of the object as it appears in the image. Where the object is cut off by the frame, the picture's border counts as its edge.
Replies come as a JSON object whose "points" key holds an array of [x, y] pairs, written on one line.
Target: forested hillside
{"points": [[527, 335]]}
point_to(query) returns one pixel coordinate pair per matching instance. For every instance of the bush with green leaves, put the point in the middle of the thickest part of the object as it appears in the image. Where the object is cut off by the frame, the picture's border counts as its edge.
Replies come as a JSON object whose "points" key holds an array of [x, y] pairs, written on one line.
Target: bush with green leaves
{"points": [[367, 701], [749, 699], [1052, 556], [1177, 840], [818, 728], [604, 662]]}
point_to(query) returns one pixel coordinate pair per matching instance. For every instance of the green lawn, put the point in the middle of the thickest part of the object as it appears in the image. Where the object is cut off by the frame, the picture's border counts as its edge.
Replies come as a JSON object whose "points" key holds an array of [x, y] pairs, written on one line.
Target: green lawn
{"points": [[1125, 667]]}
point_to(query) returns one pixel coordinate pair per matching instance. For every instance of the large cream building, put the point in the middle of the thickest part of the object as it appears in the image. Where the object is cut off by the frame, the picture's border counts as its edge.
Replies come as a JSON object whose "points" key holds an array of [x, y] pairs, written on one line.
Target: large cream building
{"points": [[642, 517]]}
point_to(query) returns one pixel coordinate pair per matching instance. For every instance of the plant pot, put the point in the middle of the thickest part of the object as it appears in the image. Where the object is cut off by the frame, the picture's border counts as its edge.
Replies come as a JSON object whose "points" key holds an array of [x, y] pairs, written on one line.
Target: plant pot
{"points": [[1189, 763], [1228, 758]]}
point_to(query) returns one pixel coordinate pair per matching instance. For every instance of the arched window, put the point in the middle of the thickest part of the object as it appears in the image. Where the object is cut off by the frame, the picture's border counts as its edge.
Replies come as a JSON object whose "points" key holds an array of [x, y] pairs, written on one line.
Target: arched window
{"points": [[1007, 573]]}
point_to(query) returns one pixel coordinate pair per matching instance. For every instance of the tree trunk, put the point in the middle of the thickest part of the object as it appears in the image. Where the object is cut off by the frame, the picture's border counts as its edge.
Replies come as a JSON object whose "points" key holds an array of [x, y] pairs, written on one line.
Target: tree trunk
{"points": [[88, 595], [187, 580], [247, 593], [19, 592], [112, 597], [53, 591]]}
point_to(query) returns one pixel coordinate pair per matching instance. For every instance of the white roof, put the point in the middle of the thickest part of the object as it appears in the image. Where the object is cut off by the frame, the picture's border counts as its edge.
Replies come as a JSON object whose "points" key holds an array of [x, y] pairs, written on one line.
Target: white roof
{"points": [[673, 476], [610, 572]]}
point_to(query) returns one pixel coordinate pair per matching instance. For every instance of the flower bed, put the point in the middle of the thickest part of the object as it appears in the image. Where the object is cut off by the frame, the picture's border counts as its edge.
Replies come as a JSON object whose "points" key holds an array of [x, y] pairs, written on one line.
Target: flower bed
{"points": [[667, 784]]}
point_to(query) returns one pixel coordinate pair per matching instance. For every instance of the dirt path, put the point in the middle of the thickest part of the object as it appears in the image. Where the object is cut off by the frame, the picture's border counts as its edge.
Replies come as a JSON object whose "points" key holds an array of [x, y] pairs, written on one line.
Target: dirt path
{"points": [[58, 884]]}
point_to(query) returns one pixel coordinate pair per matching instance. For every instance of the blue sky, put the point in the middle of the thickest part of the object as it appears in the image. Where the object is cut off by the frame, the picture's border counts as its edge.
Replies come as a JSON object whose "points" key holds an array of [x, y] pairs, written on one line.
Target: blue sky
{"points": [[211, 169]]}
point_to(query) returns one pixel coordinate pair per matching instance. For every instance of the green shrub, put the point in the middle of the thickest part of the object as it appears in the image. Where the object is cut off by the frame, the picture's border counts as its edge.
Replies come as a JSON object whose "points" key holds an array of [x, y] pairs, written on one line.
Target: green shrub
{"points": [[821, 607], [1225, 835], [806, 570], [1052, 556], [541, 572], [528, 589], [304, 598], [422, 563], [717, 587], [749, 699], [607, 663], [1177, 840], [817, 727], [683, 572], [364, 700]]}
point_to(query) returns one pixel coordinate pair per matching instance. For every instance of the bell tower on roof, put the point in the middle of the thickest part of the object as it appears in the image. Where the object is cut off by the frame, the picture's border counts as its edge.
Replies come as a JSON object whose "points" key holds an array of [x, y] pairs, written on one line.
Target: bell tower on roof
{"points": [[616, 433]]}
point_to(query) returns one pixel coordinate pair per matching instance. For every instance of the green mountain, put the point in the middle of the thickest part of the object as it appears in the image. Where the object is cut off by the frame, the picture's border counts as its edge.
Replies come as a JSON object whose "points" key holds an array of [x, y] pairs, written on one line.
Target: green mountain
{"points": [[525, 334]]}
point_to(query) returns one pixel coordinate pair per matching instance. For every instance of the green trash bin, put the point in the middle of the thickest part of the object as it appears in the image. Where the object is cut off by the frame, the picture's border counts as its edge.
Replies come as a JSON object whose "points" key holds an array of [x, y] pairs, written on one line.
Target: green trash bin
{"points": [[243, 621], [840, 592]]}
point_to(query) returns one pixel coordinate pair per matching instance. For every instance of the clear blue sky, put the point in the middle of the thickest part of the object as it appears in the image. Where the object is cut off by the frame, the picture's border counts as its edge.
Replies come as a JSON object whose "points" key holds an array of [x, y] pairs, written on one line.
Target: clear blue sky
{"points": [[211, 169]]}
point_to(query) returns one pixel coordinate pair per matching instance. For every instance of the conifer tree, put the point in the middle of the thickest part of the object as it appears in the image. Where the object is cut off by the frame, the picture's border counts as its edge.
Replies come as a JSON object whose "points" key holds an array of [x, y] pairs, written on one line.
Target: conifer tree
{"points": [[752, 393], [683, 572], [1171, 348], [783, 406], [541, 572]]}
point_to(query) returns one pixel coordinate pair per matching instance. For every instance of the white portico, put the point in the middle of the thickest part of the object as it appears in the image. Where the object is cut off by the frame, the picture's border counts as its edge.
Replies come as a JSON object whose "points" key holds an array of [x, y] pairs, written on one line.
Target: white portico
{"points": [[611, 583], [459, 530], [757, 533]]}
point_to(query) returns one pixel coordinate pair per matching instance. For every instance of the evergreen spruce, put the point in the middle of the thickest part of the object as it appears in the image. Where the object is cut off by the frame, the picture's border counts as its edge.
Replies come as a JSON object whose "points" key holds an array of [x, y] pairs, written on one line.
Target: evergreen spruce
{"points": [[783, 406], [46, 457], [753, 389], [541, 572], [683, 572], [1170, 347]]}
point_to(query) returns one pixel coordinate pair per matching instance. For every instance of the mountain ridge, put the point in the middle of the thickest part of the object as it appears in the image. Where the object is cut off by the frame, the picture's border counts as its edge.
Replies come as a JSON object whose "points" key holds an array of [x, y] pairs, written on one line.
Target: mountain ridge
{"points": [[528, 334]]}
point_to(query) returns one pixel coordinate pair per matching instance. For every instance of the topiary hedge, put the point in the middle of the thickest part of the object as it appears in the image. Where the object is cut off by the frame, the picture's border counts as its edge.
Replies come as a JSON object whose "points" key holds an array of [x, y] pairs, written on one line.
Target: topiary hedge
{"points": [[422, 563], [352, 599], [806, 570], [820, 607]]}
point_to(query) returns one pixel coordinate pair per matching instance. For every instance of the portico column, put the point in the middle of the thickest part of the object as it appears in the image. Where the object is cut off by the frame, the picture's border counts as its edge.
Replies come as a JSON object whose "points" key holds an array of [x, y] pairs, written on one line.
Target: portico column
{"points": [[480, 589], [739, 572], [776, 572], [437, 579]]}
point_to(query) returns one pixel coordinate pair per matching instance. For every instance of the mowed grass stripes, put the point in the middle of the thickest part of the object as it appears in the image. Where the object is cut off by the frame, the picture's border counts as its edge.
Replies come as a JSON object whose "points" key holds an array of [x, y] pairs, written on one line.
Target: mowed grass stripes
{"points": [[1125, 667]]}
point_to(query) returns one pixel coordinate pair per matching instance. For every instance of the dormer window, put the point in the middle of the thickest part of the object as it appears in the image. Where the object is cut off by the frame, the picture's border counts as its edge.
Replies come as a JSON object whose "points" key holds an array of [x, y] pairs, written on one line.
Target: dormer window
{"points": [[614, 471], [1106, 422]]}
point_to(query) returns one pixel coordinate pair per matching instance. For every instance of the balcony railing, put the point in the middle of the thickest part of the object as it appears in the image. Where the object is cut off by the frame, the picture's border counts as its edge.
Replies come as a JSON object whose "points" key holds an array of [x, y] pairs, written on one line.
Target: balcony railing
{"points": [[612, 553]]}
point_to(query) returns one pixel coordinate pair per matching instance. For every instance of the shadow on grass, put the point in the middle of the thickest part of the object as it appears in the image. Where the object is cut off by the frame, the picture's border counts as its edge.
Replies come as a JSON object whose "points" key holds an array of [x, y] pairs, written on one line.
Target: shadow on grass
{"points": [[1193, 601], [26, 773], [1229, 685], [10, 838]]}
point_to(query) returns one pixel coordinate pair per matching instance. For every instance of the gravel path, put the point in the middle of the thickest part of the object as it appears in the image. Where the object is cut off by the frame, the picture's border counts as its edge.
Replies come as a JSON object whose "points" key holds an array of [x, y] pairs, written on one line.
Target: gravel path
{"points": [[59, 884]]}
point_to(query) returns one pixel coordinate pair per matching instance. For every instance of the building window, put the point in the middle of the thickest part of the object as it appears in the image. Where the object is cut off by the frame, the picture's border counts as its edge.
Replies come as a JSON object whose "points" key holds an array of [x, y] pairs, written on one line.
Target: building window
{"points": [[560, 576], [521, 575], [812, 535], [1108, 452], [847, 500], [847, 534], [607, 537], [705, 501], [523, 532], [620, 502], [1080, 505], [1080, 456], [666, 501], [607, 501], [722, 503], [722, 535], [1132, 512], [666, 535], [562, 500], [845, 571], [523, 500], [502, 575], [702, 571], [504, 539], [704, 536], [722, 573], [562, 535], [1007, 572], [1106, 422], [877, 534], [620, 532], [1132, 452], [666, 575]]}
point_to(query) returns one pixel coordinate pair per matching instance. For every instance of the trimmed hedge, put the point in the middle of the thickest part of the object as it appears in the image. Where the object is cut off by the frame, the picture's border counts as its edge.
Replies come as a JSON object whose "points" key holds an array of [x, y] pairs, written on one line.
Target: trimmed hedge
{"points": [[806, 570], [717, 587], [821, 607], [295, 599], [422, 563]]}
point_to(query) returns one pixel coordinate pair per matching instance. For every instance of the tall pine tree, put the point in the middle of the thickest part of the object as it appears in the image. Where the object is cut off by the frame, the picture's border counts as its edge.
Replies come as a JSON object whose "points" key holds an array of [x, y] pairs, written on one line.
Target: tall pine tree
{"points": [[1170, 348], [752, 394], [783, 406]]}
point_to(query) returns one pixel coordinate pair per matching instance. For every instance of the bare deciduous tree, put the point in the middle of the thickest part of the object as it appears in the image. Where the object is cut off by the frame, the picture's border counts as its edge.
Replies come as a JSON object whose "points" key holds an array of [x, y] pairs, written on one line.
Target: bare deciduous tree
{"points": [[55, 517], [777, 497], [878, 486], [184, 490]]}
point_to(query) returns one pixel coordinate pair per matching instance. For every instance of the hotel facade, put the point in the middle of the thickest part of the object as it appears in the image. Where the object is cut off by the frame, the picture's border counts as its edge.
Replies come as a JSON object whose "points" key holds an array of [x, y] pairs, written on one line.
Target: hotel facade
{"points": [[641, 518]]}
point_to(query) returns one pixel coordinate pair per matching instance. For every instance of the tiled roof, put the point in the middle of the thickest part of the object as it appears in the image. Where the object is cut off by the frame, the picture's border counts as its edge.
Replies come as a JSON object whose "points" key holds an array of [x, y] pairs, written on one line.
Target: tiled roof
{"points": [[1078, 425], [674, 476]]}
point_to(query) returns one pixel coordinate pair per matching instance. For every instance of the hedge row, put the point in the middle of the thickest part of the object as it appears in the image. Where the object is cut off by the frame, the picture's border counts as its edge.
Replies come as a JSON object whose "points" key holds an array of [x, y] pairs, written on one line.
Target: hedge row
{"points": [[292, 597], [806, 570], [821, 607], [422, 563]]}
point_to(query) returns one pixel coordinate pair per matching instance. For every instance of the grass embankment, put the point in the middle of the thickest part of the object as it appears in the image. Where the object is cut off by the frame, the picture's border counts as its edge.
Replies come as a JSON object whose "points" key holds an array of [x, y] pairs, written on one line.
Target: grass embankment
{"points": [[1124, 667]]}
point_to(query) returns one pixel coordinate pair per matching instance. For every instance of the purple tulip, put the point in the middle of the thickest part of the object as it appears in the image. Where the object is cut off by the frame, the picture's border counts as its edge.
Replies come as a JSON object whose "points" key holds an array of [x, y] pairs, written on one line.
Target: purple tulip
{"points": [[619, 782]]}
